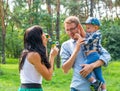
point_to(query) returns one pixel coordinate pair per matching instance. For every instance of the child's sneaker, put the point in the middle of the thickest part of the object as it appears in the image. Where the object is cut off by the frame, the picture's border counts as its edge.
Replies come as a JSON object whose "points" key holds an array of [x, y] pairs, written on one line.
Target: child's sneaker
{"points": [[97, 85]]}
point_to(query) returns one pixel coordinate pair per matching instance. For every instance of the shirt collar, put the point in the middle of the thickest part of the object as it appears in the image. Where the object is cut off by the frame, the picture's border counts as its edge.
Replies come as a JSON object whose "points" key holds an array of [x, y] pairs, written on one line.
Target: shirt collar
{"points": [[73, 41], [93, 32]]}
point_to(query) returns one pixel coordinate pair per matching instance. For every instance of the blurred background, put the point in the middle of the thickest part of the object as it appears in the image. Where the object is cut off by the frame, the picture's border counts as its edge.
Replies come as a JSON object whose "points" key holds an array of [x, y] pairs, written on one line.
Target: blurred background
{"points": [[17, 15]]}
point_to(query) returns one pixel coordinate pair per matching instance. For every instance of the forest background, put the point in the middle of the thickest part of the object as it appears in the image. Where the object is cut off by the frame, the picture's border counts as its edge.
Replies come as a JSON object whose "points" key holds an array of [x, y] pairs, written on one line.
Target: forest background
{"points": [[17, 15]]}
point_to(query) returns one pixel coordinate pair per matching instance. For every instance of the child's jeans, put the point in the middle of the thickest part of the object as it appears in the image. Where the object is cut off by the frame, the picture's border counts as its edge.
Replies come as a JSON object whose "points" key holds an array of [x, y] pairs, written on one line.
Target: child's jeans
{"points": [[91, 58]]}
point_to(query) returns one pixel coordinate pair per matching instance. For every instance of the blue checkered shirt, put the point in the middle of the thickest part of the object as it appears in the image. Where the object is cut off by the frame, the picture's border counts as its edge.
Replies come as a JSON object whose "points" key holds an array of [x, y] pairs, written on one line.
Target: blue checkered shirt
{"points": [[93, 41]]}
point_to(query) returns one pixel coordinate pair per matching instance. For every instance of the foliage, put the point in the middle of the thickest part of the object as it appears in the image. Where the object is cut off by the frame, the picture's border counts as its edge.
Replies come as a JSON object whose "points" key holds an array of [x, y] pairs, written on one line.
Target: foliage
{"points": [[10, 81], [25, 13], [111, 37], [64, 37], [0, 42], [14, 43]]}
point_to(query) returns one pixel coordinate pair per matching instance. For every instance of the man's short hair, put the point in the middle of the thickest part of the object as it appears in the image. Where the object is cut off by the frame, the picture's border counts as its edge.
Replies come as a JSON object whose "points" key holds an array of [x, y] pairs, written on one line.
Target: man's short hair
{"points": [[72, 19]]}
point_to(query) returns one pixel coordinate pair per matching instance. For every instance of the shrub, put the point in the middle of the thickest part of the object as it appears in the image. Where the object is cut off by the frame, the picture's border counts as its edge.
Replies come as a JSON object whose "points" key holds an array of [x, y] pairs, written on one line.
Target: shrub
{"points": [[111, 36]]}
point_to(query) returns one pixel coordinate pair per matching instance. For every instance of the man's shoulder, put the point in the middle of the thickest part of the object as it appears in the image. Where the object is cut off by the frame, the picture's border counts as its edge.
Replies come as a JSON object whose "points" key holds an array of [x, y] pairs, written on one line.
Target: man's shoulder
{"points": [[68, 42]]}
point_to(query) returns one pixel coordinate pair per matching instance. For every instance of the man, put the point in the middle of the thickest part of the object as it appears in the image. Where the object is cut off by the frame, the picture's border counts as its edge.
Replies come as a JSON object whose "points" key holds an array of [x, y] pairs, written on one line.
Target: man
{"points": [[72, 56]]}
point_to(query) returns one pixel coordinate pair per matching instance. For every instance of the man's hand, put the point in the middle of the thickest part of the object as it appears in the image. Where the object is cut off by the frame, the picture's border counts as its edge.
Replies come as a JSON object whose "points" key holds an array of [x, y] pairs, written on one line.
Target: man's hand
{"points": [[87, 68], [78, 37]]}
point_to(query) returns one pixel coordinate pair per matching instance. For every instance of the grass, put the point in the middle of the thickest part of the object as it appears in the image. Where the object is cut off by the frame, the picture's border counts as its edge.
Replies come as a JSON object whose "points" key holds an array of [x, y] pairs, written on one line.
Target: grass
{"points": [[112, 76], [9, 78]]}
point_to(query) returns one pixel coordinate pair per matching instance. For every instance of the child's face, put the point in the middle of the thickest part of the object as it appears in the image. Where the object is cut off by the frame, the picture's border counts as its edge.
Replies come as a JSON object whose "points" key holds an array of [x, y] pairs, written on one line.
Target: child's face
{"points": [[91, 28]]}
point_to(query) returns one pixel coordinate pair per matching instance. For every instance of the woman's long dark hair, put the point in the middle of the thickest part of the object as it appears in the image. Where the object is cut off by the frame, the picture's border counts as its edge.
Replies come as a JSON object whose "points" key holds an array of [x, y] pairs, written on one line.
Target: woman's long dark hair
{"points": [[33, 43]]}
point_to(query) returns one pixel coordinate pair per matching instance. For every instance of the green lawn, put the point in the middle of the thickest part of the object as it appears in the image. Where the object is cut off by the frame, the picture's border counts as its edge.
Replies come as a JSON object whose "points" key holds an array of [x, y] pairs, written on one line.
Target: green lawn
{"points": [[9, 78]]}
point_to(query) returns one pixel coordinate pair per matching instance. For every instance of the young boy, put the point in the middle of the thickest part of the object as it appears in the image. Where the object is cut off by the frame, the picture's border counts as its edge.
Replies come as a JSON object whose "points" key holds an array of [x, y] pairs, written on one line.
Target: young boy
{"points": [[92, 45]]}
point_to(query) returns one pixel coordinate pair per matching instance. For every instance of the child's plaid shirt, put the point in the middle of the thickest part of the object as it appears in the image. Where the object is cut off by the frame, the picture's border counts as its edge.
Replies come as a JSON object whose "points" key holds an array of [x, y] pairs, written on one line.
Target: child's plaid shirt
{"points": [[93, 41]]}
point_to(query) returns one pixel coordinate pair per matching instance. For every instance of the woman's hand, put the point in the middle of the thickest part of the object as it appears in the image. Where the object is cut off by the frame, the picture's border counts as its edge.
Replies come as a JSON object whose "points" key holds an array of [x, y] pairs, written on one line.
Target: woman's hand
{"points": [[54, 51]]}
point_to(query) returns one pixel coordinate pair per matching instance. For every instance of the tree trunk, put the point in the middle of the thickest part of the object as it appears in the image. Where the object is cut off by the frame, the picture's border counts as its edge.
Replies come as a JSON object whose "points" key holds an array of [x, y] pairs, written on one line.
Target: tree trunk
{"points": [[91, 8], [29, 5], [58, 31], [49, 29], [86, 10], [3, 31]]}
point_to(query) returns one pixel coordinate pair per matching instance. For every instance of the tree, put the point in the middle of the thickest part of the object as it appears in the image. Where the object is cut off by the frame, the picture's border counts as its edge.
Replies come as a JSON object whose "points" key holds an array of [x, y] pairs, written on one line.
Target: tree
{"points": [[58, 30], [91, 7], [3, 12], [117, 6], [48, 3]]}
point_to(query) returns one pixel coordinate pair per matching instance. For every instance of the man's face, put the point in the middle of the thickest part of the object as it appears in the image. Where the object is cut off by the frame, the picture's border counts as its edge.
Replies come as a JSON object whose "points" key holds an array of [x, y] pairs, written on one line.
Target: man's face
{"points": [[71, 29]]}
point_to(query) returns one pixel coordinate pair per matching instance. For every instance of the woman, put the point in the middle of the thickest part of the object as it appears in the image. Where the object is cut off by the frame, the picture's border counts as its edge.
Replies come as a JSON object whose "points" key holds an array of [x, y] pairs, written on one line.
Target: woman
{"points": [[34, 62]]}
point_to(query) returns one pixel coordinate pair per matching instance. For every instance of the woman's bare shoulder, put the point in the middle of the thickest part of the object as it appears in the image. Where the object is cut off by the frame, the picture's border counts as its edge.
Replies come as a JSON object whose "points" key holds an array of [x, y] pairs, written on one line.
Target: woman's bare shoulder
{"points": [[33, 57]]}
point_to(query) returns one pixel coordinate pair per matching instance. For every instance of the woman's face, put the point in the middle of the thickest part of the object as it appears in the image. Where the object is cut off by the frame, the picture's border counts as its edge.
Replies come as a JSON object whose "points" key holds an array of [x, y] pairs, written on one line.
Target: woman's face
{"points": [[45, 40]]}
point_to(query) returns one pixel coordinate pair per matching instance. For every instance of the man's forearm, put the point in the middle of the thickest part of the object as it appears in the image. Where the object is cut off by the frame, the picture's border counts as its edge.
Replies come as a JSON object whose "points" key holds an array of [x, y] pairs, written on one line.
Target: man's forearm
{"points": [[97, 64], [69, 63]]}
